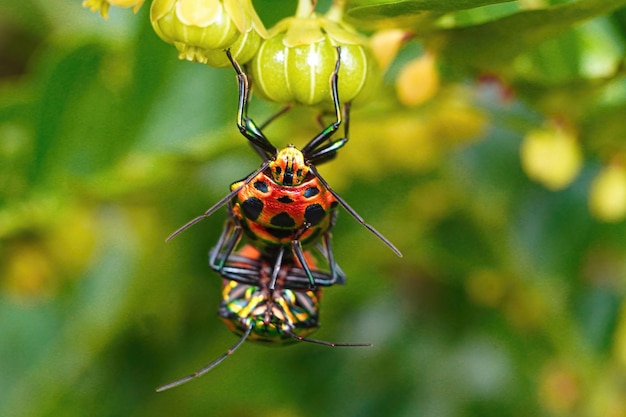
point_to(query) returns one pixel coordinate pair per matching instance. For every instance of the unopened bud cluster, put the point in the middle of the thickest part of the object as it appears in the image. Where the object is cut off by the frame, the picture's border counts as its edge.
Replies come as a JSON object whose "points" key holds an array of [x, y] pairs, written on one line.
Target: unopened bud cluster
{"points": [[290, 63]]}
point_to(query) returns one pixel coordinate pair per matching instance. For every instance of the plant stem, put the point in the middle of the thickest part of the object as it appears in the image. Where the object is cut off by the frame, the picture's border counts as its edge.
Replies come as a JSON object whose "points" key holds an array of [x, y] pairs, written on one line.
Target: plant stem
{"points": [[305, 8], [335, 12]]}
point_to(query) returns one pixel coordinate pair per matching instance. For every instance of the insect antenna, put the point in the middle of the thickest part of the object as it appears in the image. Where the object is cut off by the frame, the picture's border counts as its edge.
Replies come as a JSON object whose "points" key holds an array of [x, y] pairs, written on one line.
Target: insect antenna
{"points": [[210, 366]]}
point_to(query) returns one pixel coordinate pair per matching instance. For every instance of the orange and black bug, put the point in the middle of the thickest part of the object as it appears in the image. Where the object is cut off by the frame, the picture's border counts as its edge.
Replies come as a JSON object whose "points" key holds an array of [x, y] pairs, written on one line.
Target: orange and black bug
{"points": [[258, 313], [286, 203]]}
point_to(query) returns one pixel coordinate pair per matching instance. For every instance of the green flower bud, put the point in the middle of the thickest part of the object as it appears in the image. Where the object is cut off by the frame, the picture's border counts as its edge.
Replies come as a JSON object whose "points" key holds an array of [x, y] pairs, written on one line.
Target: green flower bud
{"points": [[202, 29], [243, 49], [295, 63]]}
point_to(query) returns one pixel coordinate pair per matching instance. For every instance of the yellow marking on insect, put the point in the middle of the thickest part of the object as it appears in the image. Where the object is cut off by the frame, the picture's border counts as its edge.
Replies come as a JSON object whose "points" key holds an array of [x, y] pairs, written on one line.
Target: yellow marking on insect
{"points": [[289, 167], [289, 316], [252, 303]]}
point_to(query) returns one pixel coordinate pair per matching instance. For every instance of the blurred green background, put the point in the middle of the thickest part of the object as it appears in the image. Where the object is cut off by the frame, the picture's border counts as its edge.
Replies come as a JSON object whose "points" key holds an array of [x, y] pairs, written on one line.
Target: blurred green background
{"points": [[509, 298]]}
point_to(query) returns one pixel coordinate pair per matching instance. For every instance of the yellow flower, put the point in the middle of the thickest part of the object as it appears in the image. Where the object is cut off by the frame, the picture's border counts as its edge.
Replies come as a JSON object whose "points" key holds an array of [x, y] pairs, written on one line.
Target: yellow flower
{"points": [[607, 200], [418, 81], [387, 43], [551, 156], [102, 6]]}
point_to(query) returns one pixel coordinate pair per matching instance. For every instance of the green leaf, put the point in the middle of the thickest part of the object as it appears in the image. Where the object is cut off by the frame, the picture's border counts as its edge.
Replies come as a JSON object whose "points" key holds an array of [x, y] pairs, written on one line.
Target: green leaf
{"points": [[493, 45], [382, 9], [65, 111]]}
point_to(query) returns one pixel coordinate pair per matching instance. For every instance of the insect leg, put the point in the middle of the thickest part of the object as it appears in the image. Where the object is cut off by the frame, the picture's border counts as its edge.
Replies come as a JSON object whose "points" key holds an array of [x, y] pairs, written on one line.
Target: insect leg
{"points": [[336, 273], [219, 204], [231, 235], [331, 128], [323, 342], [353, 213], [276, 269], [276, 115], [246, 126], [297, 250]]}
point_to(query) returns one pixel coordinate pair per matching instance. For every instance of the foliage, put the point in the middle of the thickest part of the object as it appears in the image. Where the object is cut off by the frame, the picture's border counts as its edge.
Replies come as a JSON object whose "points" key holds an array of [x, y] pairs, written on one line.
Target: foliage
{"points": [[508, 301]]}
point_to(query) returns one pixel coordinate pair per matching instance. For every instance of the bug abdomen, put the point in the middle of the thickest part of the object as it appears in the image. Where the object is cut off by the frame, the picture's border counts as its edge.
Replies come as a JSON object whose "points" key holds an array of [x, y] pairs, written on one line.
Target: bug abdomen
{"points": [[272, 313], [275, 213]]}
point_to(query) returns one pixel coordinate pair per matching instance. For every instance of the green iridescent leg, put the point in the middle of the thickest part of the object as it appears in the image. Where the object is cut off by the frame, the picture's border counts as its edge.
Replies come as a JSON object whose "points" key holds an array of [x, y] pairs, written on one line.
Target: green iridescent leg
{"points": [[246, 126]]}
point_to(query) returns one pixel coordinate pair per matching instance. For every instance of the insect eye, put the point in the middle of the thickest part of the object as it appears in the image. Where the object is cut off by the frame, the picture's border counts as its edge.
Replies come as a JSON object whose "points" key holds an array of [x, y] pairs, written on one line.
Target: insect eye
{"points": [[278, 170], [299, 173]]}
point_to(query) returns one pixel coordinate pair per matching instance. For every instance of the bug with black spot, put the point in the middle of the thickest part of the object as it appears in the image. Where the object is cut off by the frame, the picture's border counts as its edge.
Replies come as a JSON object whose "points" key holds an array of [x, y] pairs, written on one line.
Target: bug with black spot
{"points": [[277, 317], [286, 203]]}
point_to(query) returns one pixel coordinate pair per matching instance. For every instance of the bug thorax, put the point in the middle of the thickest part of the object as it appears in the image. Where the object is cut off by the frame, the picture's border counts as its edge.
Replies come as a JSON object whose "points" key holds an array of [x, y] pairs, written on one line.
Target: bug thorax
{"points": [[289, 167]]}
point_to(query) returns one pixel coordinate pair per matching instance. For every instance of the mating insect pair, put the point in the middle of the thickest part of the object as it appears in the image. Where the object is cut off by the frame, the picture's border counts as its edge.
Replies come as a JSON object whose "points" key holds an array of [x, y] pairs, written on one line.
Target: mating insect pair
{"points": [[286, 203], [270, 287], [257, 313]]}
